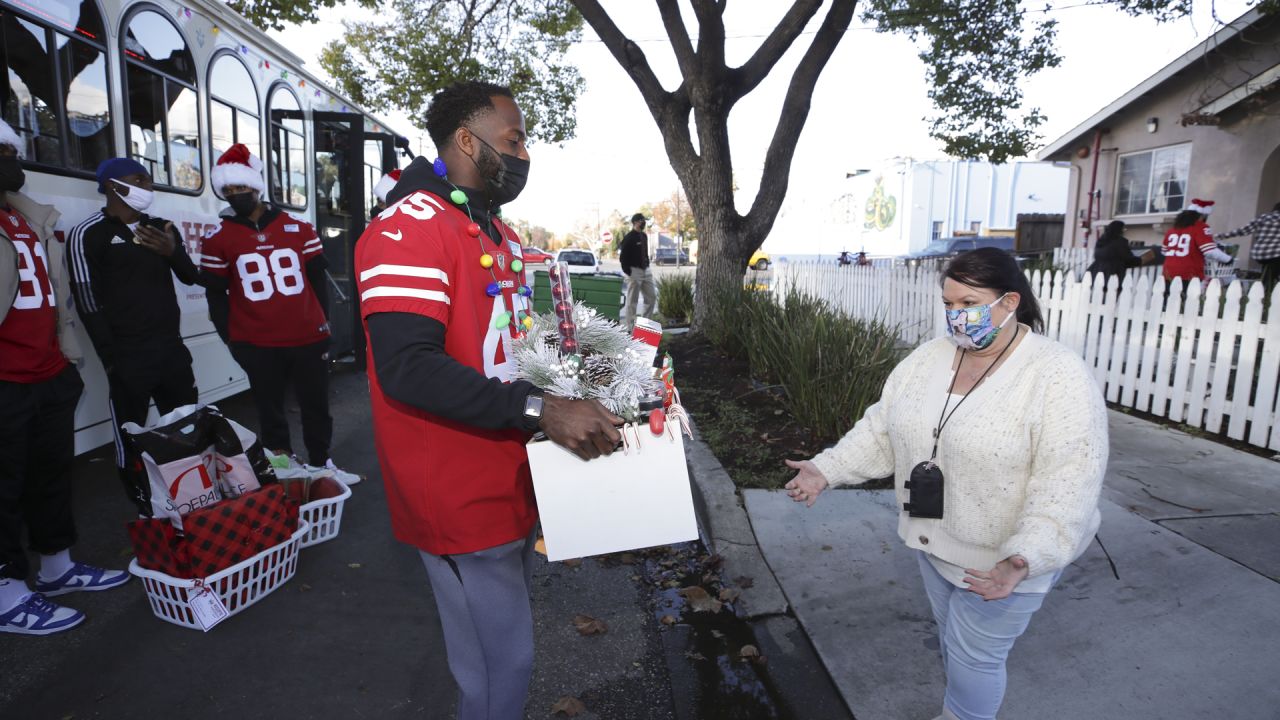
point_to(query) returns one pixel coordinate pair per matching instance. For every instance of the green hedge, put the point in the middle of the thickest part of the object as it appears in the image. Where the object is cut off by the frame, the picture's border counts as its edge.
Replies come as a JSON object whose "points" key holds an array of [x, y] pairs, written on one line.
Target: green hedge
{"points": [[829, 368]]}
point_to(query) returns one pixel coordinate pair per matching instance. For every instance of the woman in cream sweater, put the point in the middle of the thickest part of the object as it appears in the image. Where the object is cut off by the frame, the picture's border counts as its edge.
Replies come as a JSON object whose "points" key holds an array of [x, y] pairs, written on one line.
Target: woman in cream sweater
{"points": [[997, 438]]}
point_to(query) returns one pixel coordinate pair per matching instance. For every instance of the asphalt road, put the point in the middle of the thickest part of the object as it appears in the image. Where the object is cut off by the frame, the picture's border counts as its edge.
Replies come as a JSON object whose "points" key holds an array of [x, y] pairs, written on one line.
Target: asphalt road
{"points": [[354, 634]]}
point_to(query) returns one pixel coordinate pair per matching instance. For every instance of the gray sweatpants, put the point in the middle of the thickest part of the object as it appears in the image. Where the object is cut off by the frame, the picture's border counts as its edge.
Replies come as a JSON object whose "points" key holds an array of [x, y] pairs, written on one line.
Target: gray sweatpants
{"points": [[484, 603]]}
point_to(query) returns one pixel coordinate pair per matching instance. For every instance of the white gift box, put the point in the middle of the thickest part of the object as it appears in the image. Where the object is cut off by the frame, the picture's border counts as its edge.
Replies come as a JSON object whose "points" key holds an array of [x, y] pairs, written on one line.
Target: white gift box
{"points": [[624, 501]]}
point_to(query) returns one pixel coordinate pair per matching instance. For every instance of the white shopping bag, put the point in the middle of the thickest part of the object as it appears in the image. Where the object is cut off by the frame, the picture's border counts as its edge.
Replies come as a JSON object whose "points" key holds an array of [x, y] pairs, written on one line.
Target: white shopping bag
{"points": [[615, 503]]}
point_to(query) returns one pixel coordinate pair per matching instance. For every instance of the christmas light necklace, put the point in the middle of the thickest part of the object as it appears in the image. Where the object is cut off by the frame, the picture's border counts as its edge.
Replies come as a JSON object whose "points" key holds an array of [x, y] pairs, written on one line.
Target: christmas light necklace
{"points": [[519, 321]]}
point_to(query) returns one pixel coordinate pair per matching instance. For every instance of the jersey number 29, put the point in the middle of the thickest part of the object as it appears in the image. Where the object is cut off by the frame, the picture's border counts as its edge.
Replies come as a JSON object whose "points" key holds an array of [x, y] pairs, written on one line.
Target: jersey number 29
{"points": [[1177, 245], [261, 277]]}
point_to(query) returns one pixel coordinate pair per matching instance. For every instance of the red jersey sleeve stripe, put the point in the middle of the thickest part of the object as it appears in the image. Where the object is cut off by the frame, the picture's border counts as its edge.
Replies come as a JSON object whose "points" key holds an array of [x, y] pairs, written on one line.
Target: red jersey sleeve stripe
{"points": [[387, 291], [416, 271]]}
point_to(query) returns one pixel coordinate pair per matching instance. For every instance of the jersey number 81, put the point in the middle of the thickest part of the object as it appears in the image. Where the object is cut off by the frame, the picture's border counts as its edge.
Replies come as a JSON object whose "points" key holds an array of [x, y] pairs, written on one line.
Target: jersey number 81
{"points": [[262, 277]]}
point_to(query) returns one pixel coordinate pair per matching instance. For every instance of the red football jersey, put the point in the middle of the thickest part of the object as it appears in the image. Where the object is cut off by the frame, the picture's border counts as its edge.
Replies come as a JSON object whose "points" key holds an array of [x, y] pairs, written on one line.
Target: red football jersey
{"points": [[272, 303], [29, 351], [451, 488], [1184, 250]]}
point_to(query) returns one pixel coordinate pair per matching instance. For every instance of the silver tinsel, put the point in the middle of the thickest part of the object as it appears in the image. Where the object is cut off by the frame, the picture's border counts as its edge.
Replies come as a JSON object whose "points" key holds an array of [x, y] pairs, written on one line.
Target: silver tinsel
{"points": [[608, 352]]}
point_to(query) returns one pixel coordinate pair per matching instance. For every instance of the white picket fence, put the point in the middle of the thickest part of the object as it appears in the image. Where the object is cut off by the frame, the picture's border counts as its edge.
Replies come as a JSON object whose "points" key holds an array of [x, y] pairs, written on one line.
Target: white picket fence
{"points": [[1211, 361], [901, 296]]}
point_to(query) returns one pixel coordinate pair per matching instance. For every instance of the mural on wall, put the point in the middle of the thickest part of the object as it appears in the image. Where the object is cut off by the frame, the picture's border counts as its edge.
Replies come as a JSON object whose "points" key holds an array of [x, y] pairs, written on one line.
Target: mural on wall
{"points": [[882, 208]]}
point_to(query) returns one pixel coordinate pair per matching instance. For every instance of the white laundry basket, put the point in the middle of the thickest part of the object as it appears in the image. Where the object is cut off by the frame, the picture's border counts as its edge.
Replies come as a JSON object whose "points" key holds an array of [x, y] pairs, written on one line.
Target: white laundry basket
{"points": [[239, 586], [325, 517]]}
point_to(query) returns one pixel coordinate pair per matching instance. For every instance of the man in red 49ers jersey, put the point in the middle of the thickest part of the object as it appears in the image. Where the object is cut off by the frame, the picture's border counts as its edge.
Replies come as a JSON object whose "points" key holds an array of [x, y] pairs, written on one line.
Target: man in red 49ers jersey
{"points": [[442, 291], [1190, 242], [264, 272], [39, 389]]}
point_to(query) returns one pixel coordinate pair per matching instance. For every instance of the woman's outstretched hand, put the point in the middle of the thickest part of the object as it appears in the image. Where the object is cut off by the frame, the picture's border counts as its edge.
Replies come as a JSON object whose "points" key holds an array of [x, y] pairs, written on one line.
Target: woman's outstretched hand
{"points": [[1000, 581], [808, 483]]}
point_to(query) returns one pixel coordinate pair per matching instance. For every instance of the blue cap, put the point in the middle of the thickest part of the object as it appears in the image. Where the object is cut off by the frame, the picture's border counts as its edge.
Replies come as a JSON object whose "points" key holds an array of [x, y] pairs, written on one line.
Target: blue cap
{"points": [[116, 168]]}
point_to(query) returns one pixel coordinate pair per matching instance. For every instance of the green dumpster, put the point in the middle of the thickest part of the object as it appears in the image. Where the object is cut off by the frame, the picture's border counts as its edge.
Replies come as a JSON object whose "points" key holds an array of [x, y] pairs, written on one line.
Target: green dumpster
{"points": [[602, 292]]}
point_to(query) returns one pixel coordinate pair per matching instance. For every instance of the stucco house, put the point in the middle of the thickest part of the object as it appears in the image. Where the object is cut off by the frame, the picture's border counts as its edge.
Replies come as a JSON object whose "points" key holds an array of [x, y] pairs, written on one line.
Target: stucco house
{"points": [[1206, 126]]}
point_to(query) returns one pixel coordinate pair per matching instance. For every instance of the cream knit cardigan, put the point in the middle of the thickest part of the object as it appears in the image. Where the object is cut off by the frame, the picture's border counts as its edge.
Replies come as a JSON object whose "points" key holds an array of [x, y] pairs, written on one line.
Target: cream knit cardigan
{"points": [[1023, 457]]}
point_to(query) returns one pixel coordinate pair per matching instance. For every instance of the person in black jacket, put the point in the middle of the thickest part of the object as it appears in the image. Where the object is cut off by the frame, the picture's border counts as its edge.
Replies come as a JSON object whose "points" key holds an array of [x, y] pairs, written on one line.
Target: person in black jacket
{"points": [[122, 263], [634, 256], [1112, 255]]}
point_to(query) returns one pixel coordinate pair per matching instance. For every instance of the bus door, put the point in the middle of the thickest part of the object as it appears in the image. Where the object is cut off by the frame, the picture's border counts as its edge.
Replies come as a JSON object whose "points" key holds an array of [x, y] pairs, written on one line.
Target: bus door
{"points": [[344, 196]]}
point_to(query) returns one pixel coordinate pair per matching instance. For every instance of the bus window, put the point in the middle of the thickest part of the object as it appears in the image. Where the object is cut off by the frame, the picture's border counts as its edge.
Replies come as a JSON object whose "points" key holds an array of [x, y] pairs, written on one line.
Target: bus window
{"points": [[160, 79], [54, 92], [287, 165], [233, 107]]}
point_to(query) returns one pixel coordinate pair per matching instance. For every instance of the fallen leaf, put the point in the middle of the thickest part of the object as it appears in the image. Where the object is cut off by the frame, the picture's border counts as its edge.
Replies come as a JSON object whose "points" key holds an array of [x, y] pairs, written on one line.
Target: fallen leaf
{"points": [[717, 634], [777, 412], [694, 655], [568, 705], [673, 584], [826, 547], [636, 578], [700, 600], [627, 559], [764, 436], [749, 651], [744, 582], [588, 625], [729, 594], [354, 566], [667, 620], [572, 562]]}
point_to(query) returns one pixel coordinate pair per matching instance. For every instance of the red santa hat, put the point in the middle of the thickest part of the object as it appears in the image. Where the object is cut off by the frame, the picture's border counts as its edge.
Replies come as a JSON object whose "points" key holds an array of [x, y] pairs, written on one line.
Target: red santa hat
{"points": [[385, 185], [9, 137], [1204, 207], [238, 166]]}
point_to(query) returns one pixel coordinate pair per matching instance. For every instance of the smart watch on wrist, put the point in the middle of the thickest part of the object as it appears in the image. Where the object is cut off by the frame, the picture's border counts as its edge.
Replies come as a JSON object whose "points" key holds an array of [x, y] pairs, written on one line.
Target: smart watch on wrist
{"points": [[532, 415]]}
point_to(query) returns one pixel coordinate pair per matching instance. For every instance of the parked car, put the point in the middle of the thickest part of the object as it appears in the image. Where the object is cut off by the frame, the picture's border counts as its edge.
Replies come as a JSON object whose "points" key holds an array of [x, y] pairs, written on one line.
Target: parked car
{"points": [[759, 261], [667, 256], [580, 261], [949, 247], [534, 256]]}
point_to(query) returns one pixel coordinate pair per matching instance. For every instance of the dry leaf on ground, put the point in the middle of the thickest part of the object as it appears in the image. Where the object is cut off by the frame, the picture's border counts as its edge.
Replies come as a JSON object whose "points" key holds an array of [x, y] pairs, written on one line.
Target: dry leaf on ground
{"points": [[729, 594], [667, 620], [744, 582], [700, 600], [588, 625], [572, 562], [749, 651], [569, 706]]}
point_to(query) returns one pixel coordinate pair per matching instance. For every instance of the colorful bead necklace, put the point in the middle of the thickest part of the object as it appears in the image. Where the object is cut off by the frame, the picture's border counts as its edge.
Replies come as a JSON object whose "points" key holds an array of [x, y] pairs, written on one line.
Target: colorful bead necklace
{"points": [[520, 321]]}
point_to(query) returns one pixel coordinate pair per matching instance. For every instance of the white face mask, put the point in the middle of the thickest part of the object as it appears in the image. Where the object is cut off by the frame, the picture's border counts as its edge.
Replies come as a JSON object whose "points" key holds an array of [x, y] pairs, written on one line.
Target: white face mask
{"points": [[138, 199]]}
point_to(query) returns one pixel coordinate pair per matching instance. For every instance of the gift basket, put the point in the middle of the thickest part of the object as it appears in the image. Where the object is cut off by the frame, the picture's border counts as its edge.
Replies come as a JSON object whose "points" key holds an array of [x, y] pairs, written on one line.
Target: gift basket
{"points": [[640, 495], [320, 497], [222, 530]]}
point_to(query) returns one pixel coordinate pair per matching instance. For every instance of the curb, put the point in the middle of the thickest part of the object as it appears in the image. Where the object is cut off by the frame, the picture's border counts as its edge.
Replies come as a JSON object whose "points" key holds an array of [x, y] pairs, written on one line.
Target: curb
{"points": [[726, 531]]}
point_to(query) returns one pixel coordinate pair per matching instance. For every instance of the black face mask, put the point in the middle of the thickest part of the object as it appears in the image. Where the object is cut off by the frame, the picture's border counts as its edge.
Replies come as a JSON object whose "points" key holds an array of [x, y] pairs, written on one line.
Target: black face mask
{"points": [[243, 203], [12, 178], [508, 182]]}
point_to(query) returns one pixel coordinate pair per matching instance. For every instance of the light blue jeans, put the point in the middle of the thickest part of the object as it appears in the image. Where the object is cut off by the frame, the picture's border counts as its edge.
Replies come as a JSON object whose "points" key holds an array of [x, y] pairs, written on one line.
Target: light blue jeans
{"points": [[975, 636]]}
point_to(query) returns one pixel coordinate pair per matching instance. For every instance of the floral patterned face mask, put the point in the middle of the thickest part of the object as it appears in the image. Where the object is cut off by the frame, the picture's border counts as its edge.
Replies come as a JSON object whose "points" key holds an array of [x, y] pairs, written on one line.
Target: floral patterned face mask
{"points": [[972, 328]]}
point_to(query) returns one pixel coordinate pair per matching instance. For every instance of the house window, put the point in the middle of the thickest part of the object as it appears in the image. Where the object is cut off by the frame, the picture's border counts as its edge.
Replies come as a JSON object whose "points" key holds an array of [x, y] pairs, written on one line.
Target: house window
{"points": [[286, 162], [54, 92], [160, 79], [937, 230], [233, 108], [975, 226], [1154, 181]]}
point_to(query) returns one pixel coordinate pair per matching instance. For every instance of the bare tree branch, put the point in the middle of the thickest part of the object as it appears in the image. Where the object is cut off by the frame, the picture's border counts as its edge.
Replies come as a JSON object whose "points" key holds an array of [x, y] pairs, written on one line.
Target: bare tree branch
{"points": [[795, 111], [753, 71], [679, 36], [669, 109]]}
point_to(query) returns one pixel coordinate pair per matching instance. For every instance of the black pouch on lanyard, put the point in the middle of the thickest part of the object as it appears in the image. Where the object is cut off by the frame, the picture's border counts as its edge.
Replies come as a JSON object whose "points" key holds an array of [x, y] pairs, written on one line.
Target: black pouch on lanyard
{"points": [[925, 487]]}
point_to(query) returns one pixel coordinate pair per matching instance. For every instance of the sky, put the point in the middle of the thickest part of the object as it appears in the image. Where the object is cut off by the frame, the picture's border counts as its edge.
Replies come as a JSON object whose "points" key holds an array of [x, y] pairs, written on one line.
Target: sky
{"points": [[869, 105]]}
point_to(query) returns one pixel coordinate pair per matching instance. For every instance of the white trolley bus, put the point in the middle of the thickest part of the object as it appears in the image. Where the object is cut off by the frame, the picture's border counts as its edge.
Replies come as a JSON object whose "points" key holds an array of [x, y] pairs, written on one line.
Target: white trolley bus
{"points": [[172, 85]]}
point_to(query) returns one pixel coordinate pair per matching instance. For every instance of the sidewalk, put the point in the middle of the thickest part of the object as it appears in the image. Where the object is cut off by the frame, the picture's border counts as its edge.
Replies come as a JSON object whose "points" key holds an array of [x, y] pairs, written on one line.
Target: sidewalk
{"points": [[1188, 631]]}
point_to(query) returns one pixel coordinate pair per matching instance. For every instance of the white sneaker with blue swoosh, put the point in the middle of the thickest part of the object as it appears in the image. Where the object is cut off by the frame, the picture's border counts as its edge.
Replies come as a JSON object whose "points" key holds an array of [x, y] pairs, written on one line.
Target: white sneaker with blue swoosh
{"points": [[34, 615], [82, 578]]}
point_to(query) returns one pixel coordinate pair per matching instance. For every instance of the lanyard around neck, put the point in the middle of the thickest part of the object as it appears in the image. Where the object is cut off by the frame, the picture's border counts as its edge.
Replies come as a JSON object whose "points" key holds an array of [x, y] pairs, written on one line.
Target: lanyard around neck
{"points": [[945, 417]]}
